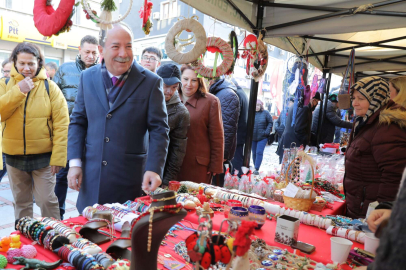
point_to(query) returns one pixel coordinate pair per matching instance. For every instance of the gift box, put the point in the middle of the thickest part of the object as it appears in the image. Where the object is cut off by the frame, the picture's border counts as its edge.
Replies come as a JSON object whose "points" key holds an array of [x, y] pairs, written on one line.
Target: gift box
{"points": [[287, 230]]}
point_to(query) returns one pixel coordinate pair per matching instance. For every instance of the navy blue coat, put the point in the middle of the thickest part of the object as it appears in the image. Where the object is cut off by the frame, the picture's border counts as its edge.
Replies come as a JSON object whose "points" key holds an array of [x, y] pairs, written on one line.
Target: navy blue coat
{"points": [[113, 142], [225, 91], [242, 120], [262, 125]]}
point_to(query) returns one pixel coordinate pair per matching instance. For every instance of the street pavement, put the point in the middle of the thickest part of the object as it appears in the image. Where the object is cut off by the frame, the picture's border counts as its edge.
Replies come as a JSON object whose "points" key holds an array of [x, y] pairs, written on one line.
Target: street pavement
{"points": [[6, 197]]}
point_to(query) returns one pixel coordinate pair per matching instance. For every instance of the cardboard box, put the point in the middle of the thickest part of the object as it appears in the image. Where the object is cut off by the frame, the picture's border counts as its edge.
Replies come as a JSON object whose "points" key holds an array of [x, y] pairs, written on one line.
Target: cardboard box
{"points": [[287, 230]]}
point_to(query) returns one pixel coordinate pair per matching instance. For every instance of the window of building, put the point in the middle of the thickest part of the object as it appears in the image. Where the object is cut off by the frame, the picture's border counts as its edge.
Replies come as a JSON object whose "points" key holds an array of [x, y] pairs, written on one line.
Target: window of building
{"points": [[169, 9], [76, 16], [9, 4]]}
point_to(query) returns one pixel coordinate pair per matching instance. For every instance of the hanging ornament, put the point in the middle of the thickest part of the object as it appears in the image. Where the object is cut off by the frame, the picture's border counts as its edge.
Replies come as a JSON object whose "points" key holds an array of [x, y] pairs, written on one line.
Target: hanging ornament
{"points": [[189, 25], [105, 20], [145, 14], [250, 51], [261, 62], [51, 22], [217, 46]]}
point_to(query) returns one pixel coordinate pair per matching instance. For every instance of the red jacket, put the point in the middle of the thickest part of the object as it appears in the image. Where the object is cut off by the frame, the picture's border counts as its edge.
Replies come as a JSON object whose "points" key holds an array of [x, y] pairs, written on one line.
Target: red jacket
{"points": [[375, 160]]}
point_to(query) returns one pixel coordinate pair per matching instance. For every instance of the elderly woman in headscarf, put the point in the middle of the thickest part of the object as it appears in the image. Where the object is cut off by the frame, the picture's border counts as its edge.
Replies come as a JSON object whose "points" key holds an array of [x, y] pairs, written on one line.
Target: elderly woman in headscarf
{"points": [[376, 153]]}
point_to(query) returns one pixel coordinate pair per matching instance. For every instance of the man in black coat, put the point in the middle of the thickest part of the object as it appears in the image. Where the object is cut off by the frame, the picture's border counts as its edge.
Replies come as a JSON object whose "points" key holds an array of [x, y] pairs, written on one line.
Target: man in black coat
{"points": [[226, 92], [300, 131], [238, 159], [67, 78], [330, 123], [178, 121]]}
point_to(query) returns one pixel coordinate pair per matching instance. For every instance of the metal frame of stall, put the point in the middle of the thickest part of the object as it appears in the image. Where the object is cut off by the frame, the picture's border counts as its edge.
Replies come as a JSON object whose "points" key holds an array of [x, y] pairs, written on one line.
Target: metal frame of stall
{"points": [[334, 13]]}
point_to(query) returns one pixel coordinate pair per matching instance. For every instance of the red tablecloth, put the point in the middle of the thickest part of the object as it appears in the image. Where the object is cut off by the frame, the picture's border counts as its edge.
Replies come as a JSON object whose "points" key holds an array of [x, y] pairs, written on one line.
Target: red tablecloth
{"points": [[308, 234]]}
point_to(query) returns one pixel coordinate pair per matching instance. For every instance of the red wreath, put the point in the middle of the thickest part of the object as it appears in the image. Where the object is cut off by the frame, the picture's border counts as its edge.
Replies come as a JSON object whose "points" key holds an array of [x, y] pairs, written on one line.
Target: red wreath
{"points": [[49, 21]]}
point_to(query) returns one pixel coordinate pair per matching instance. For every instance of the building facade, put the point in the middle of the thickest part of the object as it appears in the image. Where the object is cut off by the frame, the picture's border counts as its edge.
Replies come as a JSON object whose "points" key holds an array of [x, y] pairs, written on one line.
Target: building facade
{"points": [[17, 25]]}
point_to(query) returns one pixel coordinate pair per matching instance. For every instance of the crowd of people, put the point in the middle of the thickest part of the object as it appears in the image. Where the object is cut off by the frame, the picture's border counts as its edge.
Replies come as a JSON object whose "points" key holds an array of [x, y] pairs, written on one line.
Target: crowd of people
{"points": [[110, 128]]}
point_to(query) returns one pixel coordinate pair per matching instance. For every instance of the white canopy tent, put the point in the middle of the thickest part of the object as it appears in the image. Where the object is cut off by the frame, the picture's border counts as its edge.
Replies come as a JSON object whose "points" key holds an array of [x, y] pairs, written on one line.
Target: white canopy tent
{"points": [[324, 32], [377, 31]]}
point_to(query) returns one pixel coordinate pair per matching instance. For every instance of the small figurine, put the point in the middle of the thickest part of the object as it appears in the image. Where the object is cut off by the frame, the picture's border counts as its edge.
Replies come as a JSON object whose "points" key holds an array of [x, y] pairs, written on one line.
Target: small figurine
{"points": [[35, 264], [5, 243], [202, 198], [15, 241]]}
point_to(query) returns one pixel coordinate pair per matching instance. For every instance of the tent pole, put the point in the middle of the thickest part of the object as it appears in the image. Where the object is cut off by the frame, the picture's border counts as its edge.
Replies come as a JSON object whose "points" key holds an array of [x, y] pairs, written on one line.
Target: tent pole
{"points": [[318, 135], [253, 97], [326, 98]]}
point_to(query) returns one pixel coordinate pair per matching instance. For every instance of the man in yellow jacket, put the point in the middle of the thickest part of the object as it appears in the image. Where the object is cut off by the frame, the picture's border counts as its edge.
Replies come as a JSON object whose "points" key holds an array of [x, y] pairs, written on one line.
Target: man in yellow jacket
{"points": [[35, 132]]}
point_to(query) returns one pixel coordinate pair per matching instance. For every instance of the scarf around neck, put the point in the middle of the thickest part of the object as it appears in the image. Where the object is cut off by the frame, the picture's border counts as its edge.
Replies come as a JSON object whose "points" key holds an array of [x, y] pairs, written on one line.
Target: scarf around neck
{"points": [[376, 91], [113, 90]]}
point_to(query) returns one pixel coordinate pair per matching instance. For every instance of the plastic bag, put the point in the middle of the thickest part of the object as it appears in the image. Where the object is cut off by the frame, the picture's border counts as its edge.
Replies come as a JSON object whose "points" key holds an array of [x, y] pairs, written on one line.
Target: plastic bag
{"points": [[245, 185], [260, 187], [228, 178], [235, 180]]}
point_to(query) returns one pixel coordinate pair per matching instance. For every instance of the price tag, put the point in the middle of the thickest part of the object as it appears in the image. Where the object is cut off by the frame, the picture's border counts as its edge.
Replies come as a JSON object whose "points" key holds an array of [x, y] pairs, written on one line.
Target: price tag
{"points": [[291, 190]]}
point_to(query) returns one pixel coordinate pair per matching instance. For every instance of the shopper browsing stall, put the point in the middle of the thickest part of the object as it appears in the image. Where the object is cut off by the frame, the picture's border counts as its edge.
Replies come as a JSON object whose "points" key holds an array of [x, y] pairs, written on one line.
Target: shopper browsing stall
{"points": [[35, 134], [205, 147], [178, 120], [119, 106], [262, 129], [375, 156]]}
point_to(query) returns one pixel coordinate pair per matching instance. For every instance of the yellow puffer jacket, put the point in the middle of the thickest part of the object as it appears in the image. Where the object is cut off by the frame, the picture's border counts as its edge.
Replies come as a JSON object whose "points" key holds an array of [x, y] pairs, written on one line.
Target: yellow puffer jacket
{"points": [[34, 123]]}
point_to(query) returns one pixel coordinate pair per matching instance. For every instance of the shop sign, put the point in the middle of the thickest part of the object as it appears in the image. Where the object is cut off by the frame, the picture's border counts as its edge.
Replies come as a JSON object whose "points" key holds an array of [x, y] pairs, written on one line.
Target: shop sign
{"points": [[11, 30], [59, 43]]}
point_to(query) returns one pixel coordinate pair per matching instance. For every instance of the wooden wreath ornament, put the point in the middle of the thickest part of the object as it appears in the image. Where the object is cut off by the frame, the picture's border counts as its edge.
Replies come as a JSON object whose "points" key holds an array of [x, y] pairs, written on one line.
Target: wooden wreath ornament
{"points": [[53, 22], [218, 46], [105, 20], [190, 25], [262, 60]]}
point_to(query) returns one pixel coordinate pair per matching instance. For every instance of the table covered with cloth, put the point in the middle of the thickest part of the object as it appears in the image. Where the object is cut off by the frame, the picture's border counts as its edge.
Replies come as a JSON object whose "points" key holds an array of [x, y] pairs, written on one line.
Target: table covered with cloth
{"points": [[308, 234]]}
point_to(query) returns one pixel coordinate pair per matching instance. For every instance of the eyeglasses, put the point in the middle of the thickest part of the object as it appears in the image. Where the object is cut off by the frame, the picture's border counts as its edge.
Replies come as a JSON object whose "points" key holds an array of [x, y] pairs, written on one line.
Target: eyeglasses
{"points": [[150, 59], [5, 71]]}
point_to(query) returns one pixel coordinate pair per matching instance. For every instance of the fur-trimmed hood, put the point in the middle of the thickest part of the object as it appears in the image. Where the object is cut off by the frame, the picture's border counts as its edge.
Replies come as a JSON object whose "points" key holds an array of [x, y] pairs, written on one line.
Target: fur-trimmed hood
{"points": [[394, 113]]}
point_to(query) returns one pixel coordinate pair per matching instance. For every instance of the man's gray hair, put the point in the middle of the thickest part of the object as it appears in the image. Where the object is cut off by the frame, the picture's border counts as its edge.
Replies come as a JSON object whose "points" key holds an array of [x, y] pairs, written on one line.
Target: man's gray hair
{"points": [[52, 65], [103, 33], [89, 39], [5, 62]]}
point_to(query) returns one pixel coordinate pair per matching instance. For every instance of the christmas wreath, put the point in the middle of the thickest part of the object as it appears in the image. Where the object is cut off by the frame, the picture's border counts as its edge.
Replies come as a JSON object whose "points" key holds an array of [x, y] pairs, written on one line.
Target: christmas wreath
{"points": [[190, 25], [105, 21], [218, 46], [145, 15], [53, 22]]}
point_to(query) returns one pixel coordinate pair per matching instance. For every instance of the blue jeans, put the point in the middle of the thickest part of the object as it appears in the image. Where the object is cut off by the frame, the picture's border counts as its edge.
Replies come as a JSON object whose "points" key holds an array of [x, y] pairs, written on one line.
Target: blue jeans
{"points": [[258, 152], [4, 171], [238, 159], [61, 188]]}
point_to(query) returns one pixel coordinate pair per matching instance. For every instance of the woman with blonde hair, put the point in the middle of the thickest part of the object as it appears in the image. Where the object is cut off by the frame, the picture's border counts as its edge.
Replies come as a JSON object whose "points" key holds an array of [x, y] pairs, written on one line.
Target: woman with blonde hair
{"points": [[205, 143], [397, 88]]}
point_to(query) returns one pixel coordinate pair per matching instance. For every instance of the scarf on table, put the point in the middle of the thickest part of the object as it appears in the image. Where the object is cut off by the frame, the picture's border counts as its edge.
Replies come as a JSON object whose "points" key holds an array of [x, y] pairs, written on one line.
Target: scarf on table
{"points": [[376, 91], [113, 90]]}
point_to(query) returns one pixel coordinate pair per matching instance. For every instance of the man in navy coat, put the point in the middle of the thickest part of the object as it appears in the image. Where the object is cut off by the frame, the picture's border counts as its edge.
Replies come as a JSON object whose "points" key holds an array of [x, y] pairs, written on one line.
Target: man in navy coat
{"points": [[119, 106]]}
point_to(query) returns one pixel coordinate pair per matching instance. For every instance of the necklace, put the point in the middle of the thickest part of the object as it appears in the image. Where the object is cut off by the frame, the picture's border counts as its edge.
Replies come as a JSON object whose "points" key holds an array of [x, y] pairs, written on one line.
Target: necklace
{"points": [[174, 209]]}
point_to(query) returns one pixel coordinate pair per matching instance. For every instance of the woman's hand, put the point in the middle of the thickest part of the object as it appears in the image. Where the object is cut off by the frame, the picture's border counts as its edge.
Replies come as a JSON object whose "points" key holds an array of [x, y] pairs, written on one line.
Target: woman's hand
{"points": [[376, 218], [55, 169], [26, 85], [212, 173]]}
